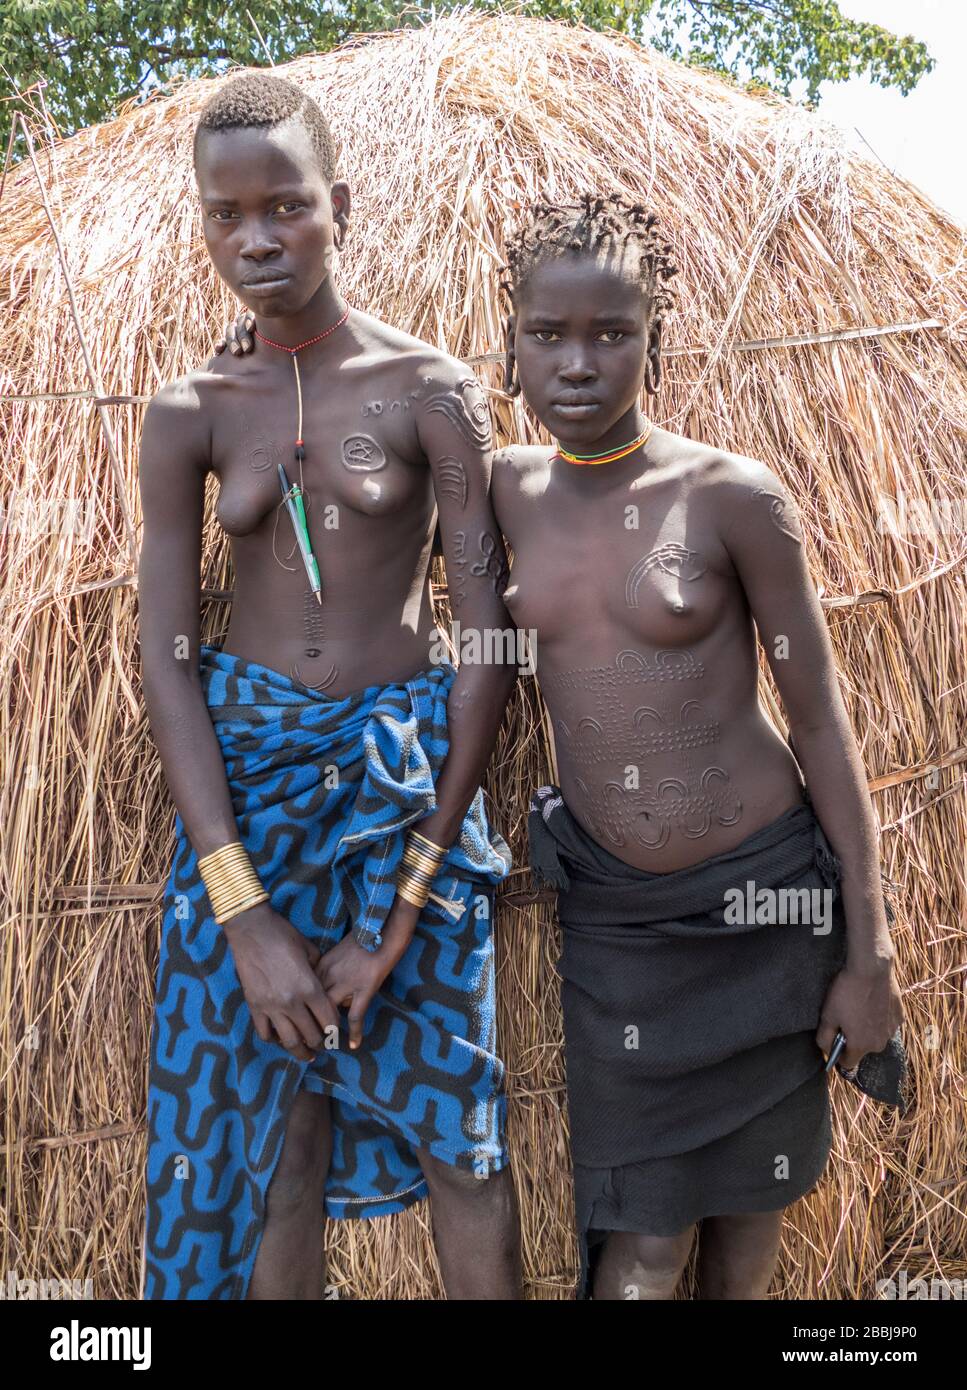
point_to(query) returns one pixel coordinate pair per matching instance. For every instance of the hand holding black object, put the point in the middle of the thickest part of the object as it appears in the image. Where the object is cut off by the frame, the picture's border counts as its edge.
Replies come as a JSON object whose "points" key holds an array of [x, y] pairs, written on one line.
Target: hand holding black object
{"points": [[882, 1075]]}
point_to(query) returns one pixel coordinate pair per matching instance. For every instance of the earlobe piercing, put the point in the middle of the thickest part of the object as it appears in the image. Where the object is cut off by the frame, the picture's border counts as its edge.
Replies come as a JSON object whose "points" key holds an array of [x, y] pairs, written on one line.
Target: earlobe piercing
{"points": [[653, 378], [511, 386]]}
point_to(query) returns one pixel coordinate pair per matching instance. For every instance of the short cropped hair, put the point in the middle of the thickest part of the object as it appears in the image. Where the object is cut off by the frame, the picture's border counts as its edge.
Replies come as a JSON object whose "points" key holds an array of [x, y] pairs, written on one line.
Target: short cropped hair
{"points": [[260, 99]]}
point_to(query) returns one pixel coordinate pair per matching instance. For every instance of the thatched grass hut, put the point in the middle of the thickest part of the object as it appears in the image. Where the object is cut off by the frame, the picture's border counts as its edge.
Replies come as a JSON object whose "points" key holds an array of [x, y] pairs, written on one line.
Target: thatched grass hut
{"points": [[821, 329]]}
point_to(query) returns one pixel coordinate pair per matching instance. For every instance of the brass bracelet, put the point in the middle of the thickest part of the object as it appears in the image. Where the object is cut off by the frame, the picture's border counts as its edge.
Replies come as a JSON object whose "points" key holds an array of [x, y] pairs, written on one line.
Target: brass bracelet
{"points": [[231, 882], [410, 893], [428, 844], [414, 890], [419, 845], [416, 854], [419, 862], [419, 866], [414, 885], [419, 869]]}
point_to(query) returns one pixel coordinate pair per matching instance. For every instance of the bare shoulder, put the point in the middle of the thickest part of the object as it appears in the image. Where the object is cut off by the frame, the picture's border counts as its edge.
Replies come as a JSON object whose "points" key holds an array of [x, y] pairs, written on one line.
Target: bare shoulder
{"points": [[726, 476], [520, 474], [746, 490], [177, 420], [379, 336], [451, 410], [435, 372], [190, 396], [522, 468], [424, 369]]}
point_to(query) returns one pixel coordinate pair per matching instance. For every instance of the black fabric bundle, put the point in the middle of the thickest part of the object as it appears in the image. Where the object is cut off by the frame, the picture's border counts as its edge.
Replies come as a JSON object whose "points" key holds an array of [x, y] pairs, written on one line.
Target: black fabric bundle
{"points": [[748, 988], [682, 1026]]}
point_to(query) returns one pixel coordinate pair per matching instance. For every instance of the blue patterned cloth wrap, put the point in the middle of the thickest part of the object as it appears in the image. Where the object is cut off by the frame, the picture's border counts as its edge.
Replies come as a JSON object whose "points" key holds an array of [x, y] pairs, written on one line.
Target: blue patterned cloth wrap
{"points": [[323, 789]]}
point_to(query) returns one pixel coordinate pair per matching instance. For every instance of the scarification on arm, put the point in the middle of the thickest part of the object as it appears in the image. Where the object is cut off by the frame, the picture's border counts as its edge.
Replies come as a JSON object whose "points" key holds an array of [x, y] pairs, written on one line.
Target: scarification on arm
{"points": [[492, 564], [782, 513], [465, 406], [452, 480]]}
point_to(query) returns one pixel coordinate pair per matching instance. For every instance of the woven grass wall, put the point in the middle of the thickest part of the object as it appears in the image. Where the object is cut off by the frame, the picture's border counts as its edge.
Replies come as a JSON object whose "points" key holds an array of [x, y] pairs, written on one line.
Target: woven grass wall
{"points": [[106, 292]]}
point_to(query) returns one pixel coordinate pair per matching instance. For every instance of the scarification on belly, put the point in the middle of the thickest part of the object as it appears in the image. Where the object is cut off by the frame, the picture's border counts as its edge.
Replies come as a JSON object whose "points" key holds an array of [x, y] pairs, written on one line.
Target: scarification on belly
{"points": [[327, 680], [314, 633], [645, 807], [615, 737], [648, 816], [630, 668], [312, 623]]}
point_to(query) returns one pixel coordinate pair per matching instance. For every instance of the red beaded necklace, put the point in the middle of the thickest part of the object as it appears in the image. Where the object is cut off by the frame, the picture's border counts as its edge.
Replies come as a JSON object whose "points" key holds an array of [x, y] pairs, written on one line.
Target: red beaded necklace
{"points": [[300, 451]]}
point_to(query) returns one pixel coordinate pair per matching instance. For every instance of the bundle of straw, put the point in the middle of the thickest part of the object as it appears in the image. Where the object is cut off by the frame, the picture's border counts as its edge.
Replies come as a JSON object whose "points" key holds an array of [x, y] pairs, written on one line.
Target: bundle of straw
{"points": [[780, 233]]}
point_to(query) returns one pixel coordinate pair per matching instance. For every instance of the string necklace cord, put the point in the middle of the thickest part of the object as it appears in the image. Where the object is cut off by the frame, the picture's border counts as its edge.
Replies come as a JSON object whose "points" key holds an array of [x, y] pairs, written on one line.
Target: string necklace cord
{"points": [[608, 455], [275, 531], [300, 453]]}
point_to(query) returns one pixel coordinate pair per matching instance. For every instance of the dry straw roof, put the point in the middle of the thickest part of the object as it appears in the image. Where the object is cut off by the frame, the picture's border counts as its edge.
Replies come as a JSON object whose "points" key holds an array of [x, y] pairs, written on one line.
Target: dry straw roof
{"points": [[779, 232]]}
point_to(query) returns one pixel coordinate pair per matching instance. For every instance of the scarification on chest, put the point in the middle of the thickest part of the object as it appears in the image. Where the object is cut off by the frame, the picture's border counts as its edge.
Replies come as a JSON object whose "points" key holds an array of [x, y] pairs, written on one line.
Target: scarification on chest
{"points": [[259, 449], [362, 454], [670, 558]]}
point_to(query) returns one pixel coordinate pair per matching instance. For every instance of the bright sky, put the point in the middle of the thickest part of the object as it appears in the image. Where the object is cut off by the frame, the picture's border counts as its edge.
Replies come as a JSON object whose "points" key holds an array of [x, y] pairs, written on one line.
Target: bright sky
{"points": [[916, 135]]}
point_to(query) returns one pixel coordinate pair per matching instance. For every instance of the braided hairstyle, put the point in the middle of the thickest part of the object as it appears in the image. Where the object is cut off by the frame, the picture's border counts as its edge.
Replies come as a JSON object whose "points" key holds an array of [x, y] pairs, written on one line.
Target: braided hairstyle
{"points": [[548, 230]]}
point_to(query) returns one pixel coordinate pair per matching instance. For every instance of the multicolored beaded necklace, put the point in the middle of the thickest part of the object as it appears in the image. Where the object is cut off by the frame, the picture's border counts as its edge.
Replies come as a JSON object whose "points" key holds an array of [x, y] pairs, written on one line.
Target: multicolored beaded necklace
{"points": [[610, 455]]}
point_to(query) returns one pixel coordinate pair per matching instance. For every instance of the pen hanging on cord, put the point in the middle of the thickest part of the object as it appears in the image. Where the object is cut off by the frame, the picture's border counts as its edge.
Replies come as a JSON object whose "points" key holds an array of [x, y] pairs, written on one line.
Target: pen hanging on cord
{"points": [[292, 496], [292, 492]]}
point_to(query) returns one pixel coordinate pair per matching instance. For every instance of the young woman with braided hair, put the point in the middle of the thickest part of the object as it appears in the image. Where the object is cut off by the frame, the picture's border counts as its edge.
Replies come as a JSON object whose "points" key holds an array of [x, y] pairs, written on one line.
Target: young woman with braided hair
{"points": [[694, 1026], [696, 1015]]}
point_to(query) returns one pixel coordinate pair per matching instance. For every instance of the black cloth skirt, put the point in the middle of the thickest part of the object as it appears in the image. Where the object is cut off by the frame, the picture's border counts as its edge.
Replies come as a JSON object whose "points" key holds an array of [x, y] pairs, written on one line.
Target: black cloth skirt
{"points": [[691, 1001]]}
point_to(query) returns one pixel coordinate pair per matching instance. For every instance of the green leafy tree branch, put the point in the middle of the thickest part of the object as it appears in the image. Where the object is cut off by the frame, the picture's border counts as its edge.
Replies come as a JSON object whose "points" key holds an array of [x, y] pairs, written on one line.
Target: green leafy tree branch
{"points": [[91, 55]]}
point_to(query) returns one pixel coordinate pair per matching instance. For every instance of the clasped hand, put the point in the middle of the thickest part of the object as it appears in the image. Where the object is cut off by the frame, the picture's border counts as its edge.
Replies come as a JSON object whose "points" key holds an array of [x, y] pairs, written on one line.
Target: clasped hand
{"points": [[294, 991]]}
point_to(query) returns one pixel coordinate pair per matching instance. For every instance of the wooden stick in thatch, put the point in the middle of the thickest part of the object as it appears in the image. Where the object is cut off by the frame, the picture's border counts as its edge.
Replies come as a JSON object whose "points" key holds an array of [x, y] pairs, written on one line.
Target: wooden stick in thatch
{"points": [[781, 233]]}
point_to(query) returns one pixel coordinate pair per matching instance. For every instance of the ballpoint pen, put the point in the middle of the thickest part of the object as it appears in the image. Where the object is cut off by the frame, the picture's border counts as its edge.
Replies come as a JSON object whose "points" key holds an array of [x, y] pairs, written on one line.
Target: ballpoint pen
{"points": [[839, 1042], [292, 496]]}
